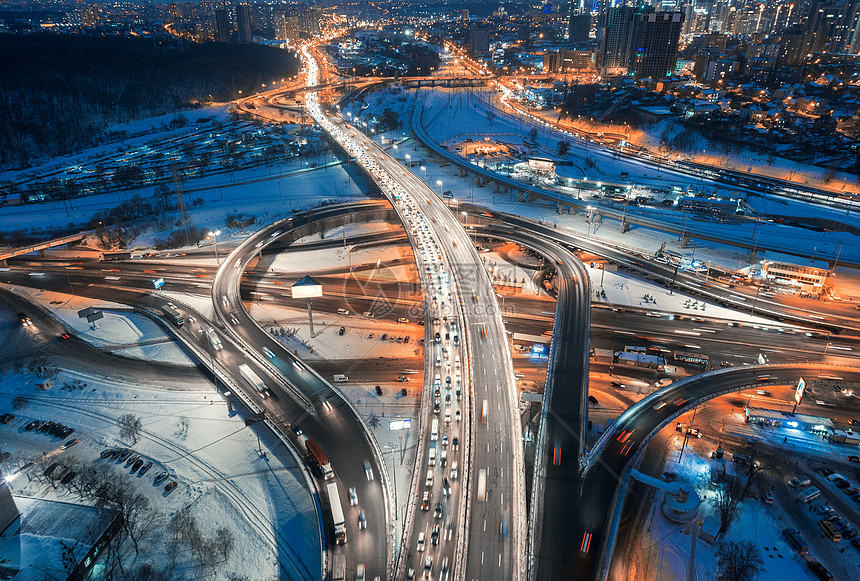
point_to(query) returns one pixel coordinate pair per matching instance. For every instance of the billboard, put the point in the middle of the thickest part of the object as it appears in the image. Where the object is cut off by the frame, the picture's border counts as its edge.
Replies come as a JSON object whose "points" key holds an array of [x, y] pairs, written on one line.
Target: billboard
{"points": [[798, 393], [307, 288]]}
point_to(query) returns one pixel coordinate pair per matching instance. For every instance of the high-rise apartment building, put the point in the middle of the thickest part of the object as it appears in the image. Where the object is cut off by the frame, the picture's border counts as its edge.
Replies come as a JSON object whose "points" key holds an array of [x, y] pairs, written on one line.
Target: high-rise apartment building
{"points": [[655, 47], [243, 22], [479, 40], [222, 26], [579, 27], [617, 38]]}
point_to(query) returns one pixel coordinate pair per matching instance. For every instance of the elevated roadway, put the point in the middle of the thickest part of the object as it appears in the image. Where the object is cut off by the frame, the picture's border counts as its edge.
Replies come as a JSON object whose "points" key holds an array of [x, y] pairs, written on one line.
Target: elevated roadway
{"points": [[494, 501], [325, 415]]}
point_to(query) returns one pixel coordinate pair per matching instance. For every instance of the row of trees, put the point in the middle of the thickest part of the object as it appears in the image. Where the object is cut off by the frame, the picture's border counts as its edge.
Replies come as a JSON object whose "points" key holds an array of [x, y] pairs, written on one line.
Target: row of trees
{"points": [[61, 93]]}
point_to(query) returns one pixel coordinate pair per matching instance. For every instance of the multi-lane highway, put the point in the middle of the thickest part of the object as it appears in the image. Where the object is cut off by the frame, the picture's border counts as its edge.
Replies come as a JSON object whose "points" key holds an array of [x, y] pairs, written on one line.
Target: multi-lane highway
{"points": [[494, 499]]}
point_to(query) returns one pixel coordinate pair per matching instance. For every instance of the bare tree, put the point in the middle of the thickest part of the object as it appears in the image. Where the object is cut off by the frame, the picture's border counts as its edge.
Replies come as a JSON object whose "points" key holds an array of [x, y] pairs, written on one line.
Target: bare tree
{"points": [[183, 425], [20, 402], [225, 541], [129, 427], [738, 561], [138, 518], [729, 497]]}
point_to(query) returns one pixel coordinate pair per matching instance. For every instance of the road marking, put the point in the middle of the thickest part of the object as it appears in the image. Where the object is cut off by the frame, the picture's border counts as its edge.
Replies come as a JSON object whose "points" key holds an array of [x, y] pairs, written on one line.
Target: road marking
{"points": [[485, 525], [482, 552]]}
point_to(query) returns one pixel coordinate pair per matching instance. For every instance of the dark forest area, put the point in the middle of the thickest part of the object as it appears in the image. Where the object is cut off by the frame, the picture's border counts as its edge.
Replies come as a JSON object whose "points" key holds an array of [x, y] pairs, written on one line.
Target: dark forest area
{"points": [[60, 94]]}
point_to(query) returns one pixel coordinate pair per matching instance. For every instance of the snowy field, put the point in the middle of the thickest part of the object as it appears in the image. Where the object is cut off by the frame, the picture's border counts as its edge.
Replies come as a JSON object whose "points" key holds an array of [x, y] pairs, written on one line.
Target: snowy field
{"points": [[455, 116], [223, 481], [665, 548]]}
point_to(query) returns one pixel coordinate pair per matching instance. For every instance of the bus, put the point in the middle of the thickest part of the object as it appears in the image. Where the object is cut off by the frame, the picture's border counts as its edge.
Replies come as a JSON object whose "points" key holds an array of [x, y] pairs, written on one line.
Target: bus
{"points": [[485, 411], [434, 433], [693, 358], [482, 484], [336, 513], [830, 530], [318, 458], [116, 255], [254, 379], [173, 315]]}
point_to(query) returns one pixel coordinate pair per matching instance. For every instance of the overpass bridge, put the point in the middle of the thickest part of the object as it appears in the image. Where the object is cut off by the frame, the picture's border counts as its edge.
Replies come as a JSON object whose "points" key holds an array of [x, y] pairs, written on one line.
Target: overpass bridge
{"points": [[41, 246]]}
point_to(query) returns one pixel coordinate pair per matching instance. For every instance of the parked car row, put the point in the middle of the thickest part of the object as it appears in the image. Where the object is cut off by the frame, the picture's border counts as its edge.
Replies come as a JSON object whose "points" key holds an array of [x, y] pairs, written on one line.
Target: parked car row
{"points": [[53, 428], [842, 483], [131, 459], [6, 418]]}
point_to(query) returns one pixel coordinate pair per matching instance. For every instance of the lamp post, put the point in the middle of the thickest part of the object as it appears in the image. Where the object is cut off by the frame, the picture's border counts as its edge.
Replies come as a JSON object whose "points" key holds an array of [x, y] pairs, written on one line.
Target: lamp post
{"points": [[757, 290], [409, 160], [214, 236], [424, 169], [590, 217], [439, 183]]}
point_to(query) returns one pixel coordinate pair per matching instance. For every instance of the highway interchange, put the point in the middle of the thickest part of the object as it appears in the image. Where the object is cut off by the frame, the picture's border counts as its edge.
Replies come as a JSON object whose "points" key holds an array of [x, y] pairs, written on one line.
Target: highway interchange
{"points": [[485, 531]]}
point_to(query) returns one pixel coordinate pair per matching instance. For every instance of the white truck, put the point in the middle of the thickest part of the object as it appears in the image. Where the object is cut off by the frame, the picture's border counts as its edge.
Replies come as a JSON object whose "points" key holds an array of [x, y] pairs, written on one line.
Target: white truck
{"points": [[336, 513], [251, 377]]}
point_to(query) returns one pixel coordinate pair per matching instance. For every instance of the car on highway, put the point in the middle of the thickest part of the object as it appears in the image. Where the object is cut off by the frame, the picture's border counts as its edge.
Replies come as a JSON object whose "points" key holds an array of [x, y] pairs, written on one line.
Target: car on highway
{"points": [[853, 458], [353, 496], [70, 443], [368, 471], [454, 467], [425, 501], [434, 536], [421, 539], [359, 573], [362, 520], [428, 563], [798, 481], [428, 482], [455, 443], [25, 320], [268, 353], [437, 510]]}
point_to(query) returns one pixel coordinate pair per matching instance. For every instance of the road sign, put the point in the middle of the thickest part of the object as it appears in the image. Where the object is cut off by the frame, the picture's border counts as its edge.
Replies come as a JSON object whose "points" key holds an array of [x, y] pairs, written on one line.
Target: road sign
{"points": [[83, 314], [798, 393], [95, 316], [448, 195], [158, 283]]}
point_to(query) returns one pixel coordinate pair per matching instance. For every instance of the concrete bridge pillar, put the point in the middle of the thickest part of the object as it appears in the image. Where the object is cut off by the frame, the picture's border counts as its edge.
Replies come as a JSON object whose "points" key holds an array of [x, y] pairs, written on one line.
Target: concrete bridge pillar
{"points": [[625, 226], [685, 240]]}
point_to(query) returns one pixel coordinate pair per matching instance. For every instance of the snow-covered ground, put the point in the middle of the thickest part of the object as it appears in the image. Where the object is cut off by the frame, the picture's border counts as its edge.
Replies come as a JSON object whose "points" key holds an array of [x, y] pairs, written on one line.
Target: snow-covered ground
{"points": [[121, 331], [665, 547], [223, 480], [647, 241]]}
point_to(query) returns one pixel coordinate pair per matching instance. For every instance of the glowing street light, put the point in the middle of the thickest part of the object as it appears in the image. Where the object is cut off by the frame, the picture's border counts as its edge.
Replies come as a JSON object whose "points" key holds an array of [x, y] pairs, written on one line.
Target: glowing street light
{"points": [[214, 236], [439, 183]]}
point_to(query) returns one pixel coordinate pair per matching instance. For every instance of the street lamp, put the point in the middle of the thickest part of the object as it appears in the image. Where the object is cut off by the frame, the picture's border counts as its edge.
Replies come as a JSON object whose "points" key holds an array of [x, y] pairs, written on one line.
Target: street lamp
{"points": [[424, 169], [409, 160], [214, 236], [588, 220], [439, 183]]}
